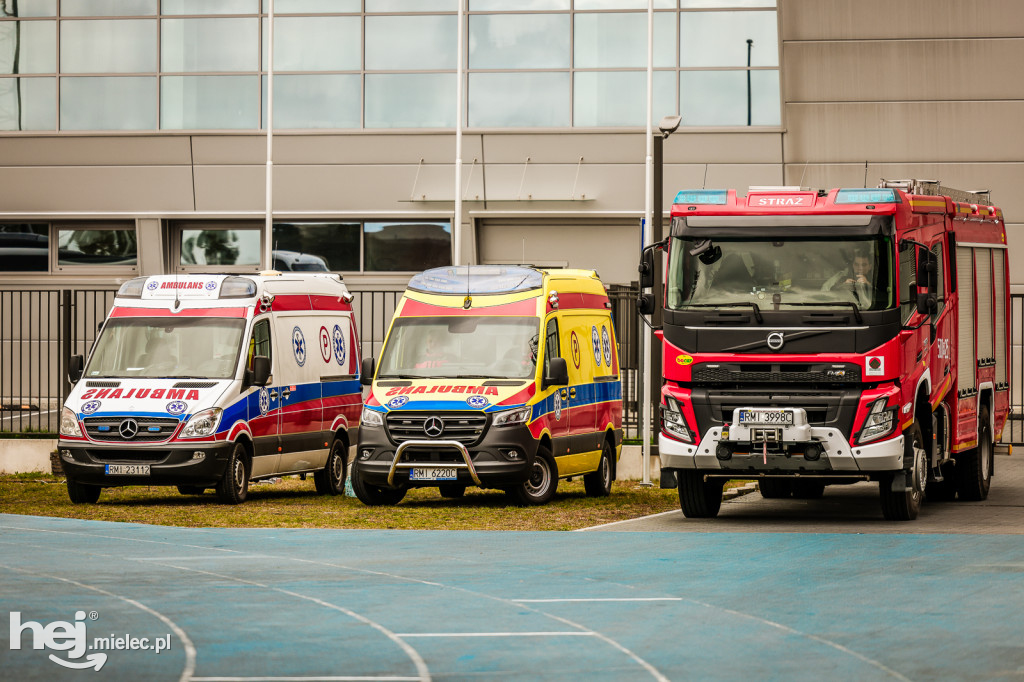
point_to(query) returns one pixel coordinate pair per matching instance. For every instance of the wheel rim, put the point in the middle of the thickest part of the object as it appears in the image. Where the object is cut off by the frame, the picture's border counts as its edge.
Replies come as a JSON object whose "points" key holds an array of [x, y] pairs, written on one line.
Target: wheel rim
{"points": [[337, 469], [920, 468], [539, 478], [986, 455], [239, 475], [606, 471]]}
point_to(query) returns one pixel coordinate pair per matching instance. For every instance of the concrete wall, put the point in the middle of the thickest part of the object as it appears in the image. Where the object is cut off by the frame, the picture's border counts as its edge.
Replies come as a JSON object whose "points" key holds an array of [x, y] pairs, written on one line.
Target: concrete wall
{"points": [[28, 455]]}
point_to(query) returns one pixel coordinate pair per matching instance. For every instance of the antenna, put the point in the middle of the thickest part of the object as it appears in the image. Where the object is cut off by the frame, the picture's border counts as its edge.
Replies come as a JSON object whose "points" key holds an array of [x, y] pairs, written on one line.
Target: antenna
{"points": [[802, 174], [468, 302], [865, 175], [704, 185]]}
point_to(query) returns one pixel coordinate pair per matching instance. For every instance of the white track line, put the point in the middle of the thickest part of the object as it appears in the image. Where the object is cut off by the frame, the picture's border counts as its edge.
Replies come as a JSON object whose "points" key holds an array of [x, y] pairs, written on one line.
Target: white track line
{"points": [[639, 518], [543, 633], [587, 599], [335, 678], [190, 649]]}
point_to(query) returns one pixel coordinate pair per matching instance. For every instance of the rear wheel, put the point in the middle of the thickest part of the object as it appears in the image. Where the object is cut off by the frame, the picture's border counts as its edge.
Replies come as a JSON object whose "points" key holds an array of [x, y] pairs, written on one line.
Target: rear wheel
{"points": [[974, 468], [774, 488], [233, 487], [599, 483], [372, 495], [331, 479], [944, 490], [80, 493], [540, 487], [904, 505], [699, 498]]}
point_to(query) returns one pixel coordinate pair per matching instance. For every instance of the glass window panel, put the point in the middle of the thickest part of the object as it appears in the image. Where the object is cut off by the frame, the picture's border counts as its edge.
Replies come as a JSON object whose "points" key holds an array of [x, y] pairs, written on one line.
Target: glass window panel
{"points": [[96, 246], [108, 46], [519, 41], [316, 246], [24, 247], [719, 98], [313, 6], [622, 4], [108, 103], [28, 103], [619, 98], [412, 5], [209, 6], [407, 247], [417, 42], [35, 8], [687, 4], [220, 246], [209, 102], [315, 101], [107, 8], [519, 99], [410, 100], [33, 44], [609, 40], [314, 43], [210, 44], [720, 38], [505, 5]]}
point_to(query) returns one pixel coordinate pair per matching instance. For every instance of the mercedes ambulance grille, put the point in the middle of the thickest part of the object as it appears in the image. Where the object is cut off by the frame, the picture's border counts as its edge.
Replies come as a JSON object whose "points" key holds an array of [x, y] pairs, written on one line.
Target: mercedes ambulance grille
{"points": [[149, 429], [464, 427]]}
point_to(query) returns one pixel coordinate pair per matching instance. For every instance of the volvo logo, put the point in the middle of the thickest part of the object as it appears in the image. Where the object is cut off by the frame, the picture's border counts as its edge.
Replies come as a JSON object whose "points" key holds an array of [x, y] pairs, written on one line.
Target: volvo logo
{"points": [[775, 340], [433, 427], [128, 429]]}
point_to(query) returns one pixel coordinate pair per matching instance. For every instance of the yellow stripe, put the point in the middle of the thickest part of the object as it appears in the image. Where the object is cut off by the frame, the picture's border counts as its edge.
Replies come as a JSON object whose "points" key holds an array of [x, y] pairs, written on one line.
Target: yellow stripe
{"points": [[907, 425], [965, 446], [942, 391]]}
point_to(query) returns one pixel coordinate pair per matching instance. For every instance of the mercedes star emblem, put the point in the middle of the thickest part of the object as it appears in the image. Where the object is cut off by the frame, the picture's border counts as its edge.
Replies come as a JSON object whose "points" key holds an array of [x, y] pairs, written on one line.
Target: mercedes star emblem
{"points": [[433, 427], [128, 429]]}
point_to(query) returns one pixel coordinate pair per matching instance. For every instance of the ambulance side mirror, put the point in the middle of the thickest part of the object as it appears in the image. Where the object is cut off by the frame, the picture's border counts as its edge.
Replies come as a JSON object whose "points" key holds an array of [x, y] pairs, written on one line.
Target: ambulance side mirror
{"points": [[557, 373], [260, 370], [75, 366], [366, 371]]}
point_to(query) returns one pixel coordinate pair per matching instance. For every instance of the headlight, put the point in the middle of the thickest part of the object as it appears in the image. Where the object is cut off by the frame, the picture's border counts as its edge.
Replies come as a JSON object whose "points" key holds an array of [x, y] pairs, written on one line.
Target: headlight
{"points": [[69, 423], [673, 422], [879, 422], [371, 418], [520, 415], [202, 424]]}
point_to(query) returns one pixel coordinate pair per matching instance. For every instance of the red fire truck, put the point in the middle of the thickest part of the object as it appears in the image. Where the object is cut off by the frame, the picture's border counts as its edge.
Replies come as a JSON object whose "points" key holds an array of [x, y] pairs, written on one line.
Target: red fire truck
{"points": [[818, 337]]}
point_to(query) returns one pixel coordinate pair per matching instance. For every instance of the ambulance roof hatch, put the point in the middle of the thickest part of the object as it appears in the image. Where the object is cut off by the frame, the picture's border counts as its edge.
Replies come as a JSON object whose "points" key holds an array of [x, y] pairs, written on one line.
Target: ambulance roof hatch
{"points": [[477, 279]]}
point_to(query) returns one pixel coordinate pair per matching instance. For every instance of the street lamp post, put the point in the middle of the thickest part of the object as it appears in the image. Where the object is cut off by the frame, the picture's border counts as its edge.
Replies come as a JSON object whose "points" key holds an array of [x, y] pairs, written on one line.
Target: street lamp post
{"points": [[750, 46]]}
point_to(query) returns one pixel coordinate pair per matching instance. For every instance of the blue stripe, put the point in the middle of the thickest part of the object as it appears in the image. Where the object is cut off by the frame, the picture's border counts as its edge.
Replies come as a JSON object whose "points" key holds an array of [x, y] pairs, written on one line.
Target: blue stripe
{"points": [[586, 394], [333, 389]]}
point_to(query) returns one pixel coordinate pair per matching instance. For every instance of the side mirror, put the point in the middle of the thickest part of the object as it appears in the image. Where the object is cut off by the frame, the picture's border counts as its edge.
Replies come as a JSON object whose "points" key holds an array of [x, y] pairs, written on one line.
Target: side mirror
{"points": [[927, 303], [557, 373], [367, 371], [260, 370], [645, 304], [646, 268], [927, 267], [75, 366]]}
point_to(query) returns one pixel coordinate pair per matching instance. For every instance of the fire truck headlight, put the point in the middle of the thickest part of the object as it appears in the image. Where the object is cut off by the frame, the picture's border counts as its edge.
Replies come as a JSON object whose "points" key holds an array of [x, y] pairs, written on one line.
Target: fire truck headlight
{"points": [[673, 422], [371, 418], [69, 423], [202, 424], [879, 422]]}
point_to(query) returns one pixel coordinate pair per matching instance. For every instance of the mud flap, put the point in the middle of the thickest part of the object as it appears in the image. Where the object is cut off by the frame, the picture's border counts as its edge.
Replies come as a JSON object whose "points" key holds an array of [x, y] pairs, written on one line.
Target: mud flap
{"points": [[668, 479]]}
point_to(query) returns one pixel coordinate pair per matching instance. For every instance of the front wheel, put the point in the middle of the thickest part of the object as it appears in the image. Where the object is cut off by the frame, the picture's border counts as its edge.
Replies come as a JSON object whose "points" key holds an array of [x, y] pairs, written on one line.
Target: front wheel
{"points": [[599, 483], [331, 479], [974, 467], [699, 498], [80, 493], [233, 487], [372, 495], [540, 487], [904, 505]]}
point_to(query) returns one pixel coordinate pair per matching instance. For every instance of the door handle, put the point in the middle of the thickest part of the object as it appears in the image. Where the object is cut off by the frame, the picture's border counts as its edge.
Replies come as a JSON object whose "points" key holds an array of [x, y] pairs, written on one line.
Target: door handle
{"points": [[273, 394], [285, 392], [572, 392]]}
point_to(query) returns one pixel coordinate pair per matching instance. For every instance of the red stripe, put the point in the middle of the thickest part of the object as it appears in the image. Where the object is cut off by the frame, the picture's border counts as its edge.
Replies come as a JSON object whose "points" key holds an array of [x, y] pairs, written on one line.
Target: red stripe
{"points": [[420, 309], [575, 301], [184, 312], [291, 302], [329, 303]]}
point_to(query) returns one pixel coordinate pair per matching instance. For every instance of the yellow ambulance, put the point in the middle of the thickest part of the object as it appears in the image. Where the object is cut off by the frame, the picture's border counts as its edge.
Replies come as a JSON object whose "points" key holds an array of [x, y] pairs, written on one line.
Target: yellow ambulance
{"points": [[493, 376]]}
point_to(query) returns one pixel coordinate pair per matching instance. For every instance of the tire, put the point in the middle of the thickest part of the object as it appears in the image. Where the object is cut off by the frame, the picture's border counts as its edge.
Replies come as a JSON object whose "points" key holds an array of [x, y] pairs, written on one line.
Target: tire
{"points": [[233, 486], [699, 499], [452, 491], [808, 490], [372, 495], [905, 504], [80, 493], [599, 483], [974, 467], [774, 488], [191, 489], [540, 487], [331, 479]]}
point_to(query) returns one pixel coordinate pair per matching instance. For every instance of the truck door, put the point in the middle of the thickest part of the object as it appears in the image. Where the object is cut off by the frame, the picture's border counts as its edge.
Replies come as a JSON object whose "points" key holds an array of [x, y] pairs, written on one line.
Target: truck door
{"points": [[940, 360], [558, 409], [264, 404]]}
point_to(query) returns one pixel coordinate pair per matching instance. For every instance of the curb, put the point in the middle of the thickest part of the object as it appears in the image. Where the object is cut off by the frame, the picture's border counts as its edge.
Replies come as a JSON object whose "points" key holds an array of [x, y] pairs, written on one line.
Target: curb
{"points": [[746, 489]]}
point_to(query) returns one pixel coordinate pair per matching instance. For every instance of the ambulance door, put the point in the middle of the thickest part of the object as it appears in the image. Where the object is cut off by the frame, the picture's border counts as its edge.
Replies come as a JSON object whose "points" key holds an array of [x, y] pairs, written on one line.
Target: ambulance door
{"points": [[585, 345], [557, 400], [338, 375], [301, 362], [264, 404]]}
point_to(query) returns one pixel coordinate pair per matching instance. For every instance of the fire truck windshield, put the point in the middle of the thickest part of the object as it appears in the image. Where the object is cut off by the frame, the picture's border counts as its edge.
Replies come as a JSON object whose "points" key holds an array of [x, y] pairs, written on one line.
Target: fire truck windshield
{"points": [[472, 347], [798, 272]]}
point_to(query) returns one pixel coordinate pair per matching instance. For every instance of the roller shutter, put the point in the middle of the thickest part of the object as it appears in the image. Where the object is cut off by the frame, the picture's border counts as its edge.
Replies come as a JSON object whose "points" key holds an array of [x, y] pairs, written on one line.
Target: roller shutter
{"points": [[965, 356], [999, 271], [983, 281]]}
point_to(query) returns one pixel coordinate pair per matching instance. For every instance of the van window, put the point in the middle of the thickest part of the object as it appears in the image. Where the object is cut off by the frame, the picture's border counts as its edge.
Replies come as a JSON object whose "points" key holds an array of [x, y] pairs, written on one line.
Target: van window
{"points": [[259, 344], [551, 346]]}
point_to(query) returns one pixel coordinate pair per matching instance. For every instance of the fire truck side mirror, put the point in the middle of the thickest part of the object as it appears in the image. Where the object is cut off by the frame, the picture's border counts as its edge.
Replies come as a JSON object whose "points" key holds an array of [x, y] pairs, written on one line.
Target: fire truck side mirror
{"points": [[927, 268], [927, 303], [647, 268], [366, 371], [75, 366], [645, 304]]}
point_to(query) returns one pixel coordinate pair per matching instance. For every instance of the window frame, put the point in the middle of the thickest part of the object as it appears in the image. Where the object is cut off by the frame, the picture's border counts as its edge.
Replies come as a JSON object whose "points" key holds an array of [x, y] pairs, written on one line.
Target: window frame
{"points": [[97, 269]]}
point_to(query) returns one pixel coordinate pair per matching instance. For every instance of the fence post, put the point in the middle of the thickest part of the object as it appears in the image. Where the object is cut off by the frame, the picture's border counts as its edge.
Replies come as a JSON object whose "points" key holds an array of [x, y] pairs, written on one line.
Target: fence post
{"points": [[65, 343]]}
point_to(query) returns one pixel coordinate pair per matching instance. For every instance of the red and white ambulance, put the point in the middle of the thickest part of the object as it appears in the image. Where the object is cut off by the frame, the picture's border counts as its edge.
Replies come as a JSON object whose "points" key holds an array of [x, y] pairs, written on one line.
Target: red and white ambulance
{"points": [[212, 381]]}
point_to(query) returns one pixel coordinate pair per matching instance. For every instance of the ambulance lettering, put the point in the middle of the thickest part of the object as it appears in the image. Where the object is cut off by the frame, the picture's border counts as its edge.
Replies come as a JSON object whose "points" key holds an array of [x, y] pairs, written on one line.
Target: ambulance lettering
{"points": [[408, 390], [182, 286], [140, 393]]}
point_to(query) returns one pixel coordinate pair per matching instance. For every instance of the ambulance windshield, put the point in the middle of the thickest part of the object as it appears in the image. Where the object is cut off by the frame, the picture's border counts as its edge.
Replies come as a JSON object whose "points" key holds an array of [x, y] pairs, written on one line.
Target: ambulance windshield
{"points": [[794, 272], [192, 347], [461, 347]]}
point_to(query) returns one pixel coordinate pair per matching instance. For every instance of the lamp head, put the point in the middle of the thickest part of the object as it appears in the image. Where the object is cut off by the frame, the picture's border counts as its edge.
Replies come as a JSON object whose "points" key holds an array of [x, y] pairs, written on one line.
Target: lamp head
{"points": [[669, 125]]}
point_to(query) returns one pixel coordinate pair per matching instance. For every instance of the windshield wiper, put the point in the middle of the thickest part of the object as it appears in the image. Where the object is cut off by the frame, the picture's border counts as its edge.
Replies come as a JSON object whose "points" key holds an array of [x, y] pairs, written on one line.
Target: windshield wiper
{"points": [[757, 311], [471, 376], [844, 304], [402, 376]]}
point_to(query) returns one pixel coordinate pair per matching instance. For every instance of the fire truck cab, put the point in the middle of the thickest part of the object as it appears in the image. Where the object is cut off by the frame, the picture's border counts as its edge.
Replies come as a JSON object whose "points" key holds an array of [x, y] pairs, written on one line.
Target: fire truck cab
{"points": [[819, 337]]}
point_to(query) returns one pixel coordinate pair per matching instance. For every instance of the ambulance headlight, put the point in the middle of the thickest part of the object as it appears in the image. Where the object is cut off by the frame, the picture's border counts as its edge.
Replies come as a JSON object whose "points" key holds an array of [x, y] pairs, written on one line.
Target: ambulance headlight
{"points": [[69, 423], [371, 418], [673, 422], [520, 415], [879, 422], [202, 424]]}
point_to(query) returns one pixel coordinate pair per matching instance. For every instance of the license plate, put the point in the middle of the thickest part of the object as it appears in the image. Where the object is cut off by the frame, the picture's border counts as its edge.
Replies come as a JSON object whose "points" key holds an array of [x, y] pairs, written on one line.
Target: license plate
{"points": [[127, 470], [766, 417], [433, 474]]}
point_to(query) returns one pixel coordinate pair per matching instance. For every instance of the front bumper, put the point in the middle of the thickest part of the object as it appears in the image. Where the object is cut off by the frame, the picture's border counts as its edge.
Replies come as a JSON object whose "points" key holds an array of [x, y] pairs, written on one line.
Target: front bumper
{"points": [[193, 464], [492, 462]]}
